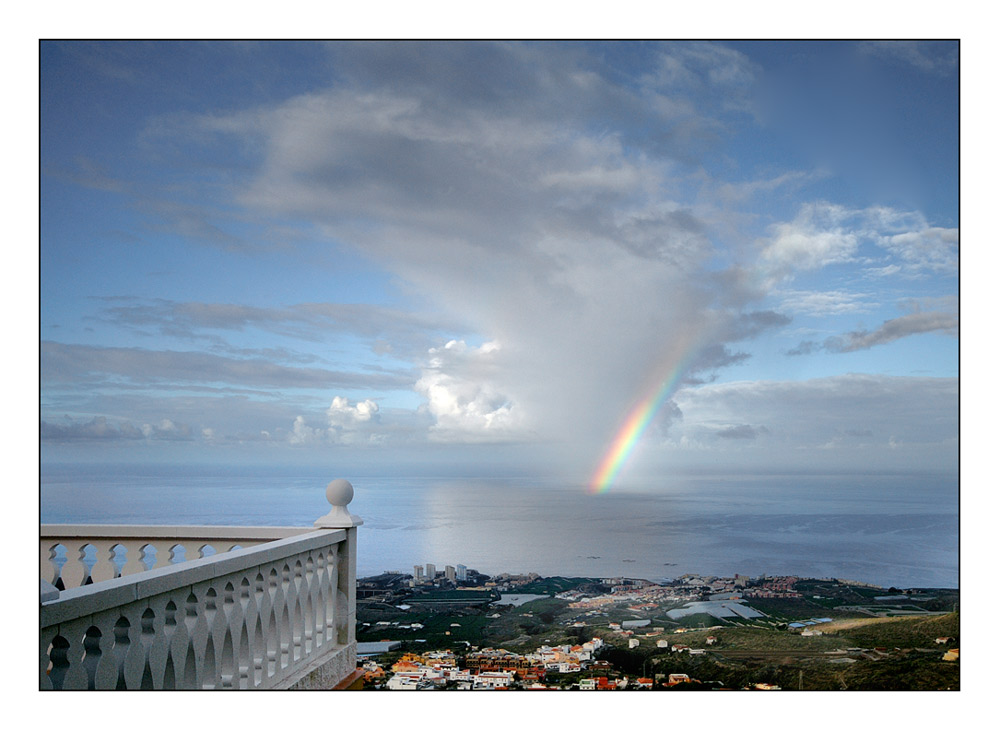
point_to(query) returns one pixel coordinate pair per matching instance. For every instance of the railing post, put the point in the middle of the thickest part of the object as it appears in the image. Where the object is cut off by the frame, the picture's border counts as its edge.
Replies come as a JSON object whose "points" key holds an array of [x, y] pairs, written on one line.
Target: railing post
{"points": [[339, 494]]}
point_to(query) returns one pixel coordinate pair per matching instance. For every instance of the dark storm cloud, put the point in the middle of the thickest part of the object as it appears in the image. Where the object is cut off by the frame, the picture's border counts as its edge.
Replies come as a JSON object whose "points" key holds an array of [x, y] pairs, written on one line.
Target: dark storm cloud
{"points": [[742, 431], [913, 324], [916, 323], [100, 429], [408, 332]]}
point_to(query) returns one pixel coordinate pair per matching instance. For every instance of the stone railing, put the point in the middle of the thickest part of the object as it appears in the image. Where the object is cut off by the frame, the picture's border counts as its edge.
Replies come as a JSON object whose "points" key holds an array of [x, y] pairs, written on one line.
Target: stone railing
{"points": [[276, 612], [74, 555]]}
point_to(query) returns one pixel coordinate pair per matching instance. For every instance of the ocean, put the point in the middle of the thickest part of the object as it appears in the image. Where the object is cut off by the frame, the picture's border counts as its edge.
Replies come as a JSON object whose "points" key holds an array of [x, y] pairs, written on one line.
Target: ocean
{"points": [[890, 530]]}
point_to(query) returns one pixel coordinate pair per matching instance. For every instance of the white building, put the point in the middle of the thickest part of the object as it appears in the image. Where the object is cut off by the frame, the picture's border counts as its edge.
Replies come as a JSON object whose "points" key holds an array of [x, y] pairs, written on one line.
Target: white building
{"points": [[490, 680]]}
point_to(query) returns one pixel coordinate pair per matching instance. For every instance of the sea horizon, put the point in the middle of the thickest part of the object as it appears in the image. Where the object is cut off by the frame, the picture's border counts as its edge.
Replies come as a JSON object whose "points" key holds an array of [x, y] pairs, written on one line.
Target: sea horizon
{"points": [[885, 529]]}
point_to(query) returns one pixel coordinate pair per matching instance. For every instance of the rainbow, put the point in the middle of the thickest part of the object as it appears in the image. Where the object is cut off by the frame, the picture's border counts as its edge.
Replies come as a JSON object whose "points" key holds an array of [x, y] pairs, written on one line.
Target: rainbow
{"points": [[635, 424]]}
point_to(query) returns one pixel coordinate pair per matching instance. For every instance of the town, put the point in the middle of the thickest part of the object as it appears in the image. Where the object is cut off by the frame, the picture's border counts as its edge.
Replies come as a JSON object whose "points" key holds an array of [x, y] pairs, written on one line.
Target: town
{"points": [[457, 628]]}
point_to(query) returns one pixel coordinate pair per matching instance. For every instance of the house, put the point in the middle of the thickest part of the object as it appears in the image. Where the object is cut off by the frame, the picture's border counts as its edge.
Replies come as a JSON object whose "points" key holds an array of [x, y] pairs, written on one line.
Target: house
{"points": [[661, 643], [604, 684], [944, 640], [402, 682], [374, 675], [710, 640], [646, 683], [405, 666], [492, 680], [675, 678], [951, 655]]}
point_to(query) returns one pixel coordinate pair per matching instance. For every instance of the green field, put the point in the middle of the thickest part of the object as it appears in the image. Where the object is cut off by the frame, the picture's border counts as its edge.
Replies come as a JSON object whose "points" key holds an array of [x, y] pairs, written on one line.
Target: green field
{"points": [[445, 596], [554, 585]]}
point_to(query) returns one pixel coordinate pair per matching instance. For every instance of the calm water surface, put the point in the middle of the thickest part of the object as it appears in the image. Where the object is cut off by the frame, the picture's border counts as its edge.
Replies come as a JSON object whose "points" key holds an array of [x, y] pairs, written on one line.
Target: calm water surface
{"points": [[888, 530]]}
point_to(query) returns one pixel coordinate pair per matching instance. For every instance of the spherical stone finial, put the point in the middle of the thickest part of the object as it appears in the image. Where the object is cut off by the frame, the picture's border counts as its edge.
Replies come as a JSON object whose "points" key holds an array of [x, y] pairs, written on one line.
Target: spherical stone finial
{"points": [[339, 492]]}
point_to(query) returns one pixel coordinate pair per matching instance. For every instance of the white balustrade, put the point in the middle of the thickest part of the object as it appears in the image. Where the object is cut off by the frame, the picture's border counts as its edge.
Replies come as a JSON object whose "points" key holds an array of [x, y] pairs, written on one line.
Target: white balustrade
{"points": [[90, 550], [277, 614]]}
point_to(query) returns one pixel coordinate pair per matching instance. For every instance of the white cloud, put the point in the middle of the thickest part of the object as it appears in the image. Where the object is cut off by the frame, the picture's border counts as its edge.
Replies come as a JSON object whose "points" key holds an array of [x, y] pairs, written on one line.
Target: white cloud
{"points": [[343, 414], [935, 57], [833, 302], [927, 249], [817, 237], [463, 399], [302, 433], [537, 202], [822, 234]]}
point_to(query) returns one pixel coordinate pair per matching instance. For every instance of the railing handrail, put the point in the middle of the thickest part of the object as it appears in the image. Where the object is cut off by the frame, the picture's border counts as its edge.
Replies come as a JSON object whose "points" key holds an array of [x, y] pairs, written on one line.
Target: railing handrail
{"points": [[82, 600], [137, 531]]}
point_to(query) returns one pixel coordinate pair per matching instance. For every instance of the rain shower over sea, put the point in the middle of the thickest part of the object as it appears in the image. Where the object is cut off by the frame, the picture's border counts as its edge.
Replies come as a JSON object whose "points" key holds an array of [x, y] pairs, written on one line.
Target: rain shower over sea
{"points": [[890, 530]]}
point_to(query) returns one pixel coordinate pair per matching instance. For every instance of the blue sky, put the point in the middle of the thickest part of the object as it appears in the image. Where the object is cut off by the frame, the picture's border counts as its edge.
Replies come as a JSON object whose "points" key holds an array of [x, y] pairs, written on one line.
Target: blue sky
{"points": [[438, 254]]}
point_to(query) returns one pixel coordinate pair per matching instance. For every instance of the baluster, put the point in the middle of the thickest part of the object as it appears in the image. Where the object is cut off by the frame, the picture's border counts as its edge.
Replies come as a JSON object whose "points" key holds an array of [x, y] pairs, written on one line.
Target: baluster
{"points": [[76, 673], [91, 655], [173, 631], [149, 632], [298, 623], [161, 656], [50, 571], [321, 610], [273, 631], [195, 632], [128, 648], [261, 603], [227, 661], [210, 677], [46, 637], [74, 571], [104, 567], [244, 652], [106, 673], [133, 558], [284, 617], [309, 615]]}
